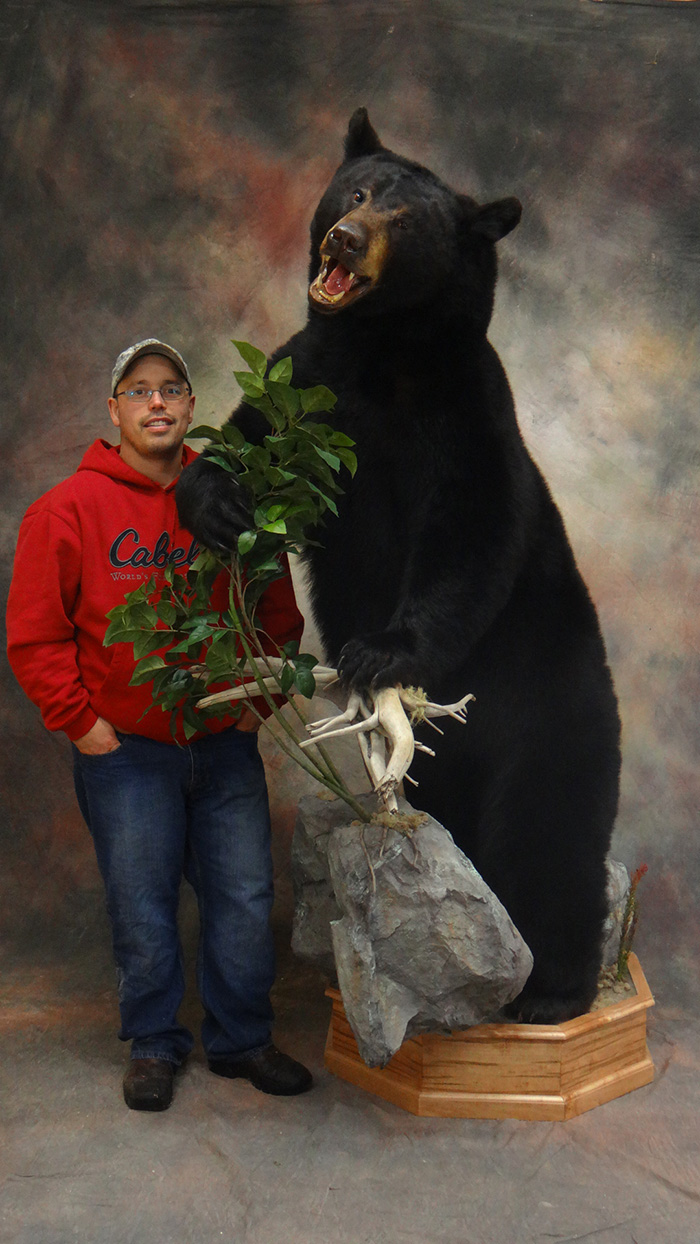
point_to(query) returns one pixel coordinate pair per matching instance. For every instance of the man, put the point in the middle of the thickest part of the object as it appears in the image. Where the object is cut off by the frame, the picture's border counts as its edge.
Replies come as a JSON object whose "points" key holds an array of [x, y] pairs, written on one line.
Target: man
{"points": [[156, 809]]}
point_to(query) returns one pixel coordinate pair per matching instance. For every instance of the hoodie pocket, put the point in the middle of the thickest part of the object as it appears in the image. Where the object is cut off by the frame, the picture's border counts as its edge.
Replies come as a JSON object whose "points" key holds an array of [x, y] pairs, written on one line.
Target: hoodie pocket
{"points": [[115, 686]]}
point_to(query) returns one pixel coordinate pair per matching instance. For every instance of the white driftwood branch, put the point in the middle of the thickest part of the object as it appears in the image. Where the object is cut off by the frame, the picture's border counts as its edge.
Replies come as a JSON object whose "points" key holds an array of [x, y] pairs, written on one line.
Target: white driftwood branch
{"points": [[246, 690], [386, 727], [383, 723]]}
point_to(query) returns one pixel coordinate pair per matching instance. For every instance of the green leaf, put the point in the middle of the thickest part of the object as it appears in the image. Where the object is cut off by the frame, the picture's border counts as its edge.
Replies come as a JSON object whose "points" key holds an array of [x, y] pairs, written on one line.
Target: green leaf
{"points": [[278, 476], [222, 462], [117, 633], [138, 594], [286, 398], [328, 500], [317, 398], [117, 612], [179, 678], [233, 436], [272, 414], [149, 641], [217, 662], [282, 371], [286, 678], [144, 670], [201, 618], [331, 459], [293, 511], [305, 682], [251, 385], [246, 540], [144, 616], [161, 678], [349, 459], [176, 649], [255, 358], [305, 660], [205, 432], [278, 528], [256, 456], [200, 633], [269, 565], [166, 611], [206, 560]]}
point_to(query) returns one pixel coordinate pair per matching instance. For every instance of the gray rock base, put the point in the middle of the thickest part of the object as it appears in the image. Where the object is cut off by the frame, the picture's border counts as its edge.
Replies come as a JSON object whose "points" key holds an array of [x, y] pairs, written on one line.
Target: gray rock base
{"points": [[617, 890], [418, 940]]}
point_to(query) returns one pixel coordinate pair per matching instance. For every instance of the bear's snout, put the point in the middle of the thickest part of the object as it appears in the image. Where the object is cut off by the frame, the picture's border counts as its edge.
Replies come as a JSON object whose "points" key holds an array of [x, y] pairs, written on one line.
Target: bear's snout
{"points": [[348, 238]]}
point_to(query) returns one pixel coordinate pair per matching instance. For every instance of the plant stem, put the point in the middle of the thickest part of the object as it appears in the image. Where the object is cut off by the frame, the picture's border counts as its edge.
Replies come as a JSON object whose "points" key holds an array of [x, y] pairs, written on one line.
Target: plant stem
{"points": [[328, 777], [292, 702]]}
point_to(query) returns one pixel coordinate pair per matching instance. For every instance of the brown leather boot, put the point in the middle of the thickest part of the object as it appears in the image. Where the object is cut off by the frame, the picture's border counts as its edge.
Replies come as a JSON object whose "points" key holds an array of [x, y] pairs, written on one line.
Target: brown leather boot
{"points": [[269, 1070], [148, 1084]]}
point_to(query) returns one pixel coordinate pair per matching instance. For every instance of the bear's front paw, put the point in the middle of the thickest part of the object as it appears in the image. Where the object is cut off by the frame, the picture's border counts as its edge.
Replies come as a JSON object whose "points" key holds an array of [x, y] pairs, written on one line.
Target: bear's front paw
{"points": [[380, 660], [212, 505]]}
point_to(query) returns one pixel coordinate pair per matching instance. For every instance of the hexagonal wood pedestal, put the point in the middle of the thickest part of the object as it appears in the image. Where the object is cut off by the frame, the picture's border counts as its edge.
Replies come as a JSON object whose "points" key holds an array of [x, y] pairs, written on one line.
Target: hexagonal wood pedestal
{"points": [[509, 1071]]}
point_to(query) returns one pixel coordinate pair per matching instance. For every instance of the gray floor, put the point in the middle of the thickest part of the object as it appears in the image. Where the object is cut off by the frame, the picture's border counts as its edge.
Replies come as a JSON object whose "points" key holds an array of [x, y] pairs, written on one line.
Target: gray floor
{"points": [[227, 1163]]}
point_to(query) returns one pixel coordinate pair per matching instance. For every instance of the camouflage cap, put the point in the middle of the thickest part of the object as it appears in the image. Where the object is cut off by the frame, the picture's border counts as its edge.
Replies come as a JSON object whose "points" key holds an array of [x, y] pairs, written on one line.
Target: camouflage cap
{"points": [[150, 346]]}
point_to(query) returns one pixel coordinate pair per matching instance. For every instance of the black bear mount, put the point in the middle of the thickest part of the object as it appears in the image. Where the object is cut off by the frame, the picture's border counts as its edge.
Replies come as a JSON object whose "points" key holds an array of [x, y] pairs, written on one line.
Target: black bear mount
{"points": [[449, 566]]}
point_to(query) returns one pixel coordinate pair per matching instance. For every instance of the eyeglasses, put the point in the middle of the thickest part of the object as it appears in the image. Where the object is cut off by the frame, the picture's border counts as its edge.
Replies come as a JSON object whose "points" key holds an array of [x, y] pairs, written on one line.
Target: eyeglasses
{"points": [[168, 393]]}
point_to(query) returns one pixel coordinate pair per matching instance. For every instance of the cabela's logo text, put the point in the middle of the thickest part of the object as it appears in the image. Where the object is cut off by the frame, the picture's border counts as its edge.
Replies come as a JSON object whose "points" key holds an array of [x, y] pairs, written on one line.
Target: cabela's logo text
{"points": [[127, 550]]}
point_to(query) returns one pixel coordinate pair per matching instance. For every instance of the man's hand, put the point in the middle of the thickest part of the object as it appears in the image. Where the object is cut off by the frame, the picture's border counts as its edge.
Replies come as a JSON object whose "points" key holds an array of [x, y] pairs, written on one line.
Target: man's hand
{"points": [[99, 740], [248, 723]]}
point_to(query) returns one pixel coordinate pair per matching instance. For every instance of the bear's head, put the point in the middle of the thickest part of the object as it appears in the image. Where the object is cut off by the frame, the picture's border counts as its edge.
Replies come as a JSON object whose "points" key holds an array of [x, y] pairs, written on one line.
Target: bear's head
{"points": [[388, 236]]}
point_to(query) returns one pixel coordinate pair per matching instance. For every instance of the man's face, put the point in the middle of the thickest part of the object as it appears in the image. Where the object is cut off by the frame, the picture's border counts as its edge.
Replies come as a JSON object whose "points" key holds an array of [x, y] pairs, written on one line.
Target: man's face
{"points": [[155, 428]]}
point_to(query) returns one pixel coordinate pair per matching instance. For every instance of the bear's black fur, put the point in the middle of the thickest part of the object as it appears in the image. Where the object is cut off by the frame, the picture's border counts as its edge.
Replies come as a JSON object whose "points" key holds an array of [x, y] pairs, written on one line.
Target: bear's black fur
{"points": [[449, 566]]}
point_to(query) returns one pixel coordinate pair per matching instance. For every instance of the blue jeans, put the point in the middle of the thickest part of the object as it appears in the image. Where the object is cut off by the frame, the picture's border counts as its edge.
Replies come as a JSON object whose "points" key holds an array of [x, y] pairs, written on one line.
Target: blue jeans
{"points": [[157, 812]]}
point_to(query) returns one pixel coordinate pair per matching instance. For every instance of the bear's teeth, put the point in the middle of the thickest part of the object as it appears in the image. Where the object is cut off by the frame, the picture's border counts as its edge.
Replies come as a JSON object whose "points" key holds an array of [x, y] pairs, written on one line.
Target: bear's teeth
{"points": [[323, 293], [339, 281]]}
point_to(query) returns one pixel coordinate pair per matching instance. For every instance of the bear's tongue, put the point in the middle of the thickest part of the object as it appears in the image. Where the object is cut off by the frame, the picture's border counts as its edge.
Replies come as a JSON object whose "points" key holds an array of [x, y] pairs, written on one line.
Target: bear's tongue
{"points": [[339, 280]]}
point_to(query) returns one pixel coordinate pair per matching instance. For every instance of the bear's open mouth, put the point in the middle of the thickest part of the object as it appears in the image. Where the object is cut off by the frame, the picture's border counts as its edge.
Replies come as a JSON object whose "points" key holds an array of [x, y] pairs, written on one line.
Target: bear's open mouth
{"points": [[336, 286]]}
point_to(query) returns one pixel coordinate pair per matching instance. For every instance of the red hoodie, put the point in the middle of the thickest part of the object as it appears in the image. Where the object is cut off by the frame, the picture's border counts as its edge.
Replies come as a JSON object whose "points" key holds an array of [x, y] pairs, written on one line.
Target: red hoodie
{"points": [[81, 548]]}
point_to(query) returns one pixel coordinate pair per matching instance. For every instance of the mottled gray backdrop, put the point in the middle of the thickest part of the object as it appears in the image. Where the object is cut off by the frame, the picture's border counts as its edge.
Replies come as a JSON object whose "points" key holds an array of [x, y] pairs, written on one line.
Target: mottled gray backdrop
{"points": [[161, 162]]}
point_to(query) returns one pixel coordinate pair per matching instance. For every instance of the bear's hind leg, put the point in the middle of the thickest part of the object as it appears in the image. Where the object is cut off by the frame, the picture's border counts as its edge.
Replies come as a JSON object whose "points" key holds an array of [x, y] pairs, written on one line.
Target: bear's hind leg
{"points": [[551, 997], [563, 928], [537, 826], [544, 857]]}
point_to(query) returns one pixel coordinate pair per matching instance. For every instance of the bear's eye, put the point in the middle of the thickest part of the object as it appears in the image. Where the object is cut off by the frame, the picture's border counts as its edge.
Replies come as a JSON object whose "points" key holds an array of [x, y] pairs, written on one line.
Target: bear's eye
{"points": [[359, 196], [400, 222]]}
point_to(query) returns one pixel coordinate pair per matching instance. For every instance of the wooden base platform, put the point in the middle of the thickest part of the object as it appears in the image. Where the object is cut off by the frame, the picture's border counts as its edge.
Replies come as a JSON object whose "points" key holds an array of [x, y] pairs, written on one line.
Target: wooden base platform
{"points": [[548, 1072]]}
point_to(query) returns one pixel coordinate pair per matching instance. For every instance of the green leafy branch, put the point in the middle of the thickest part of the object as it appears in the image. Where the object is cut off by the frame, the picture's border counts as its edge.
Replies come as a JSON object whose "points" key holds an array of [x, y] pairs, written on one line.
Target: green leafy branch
{"points": [[195, 633]]}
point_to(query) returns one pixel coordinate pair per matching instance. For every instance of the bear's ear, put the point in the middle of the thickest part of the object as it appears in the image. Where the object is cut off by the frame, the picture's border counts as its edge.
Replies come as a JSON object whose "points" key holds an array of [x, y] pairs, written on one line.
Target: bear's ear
{"points": [[361, 139], [495, 220]]}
